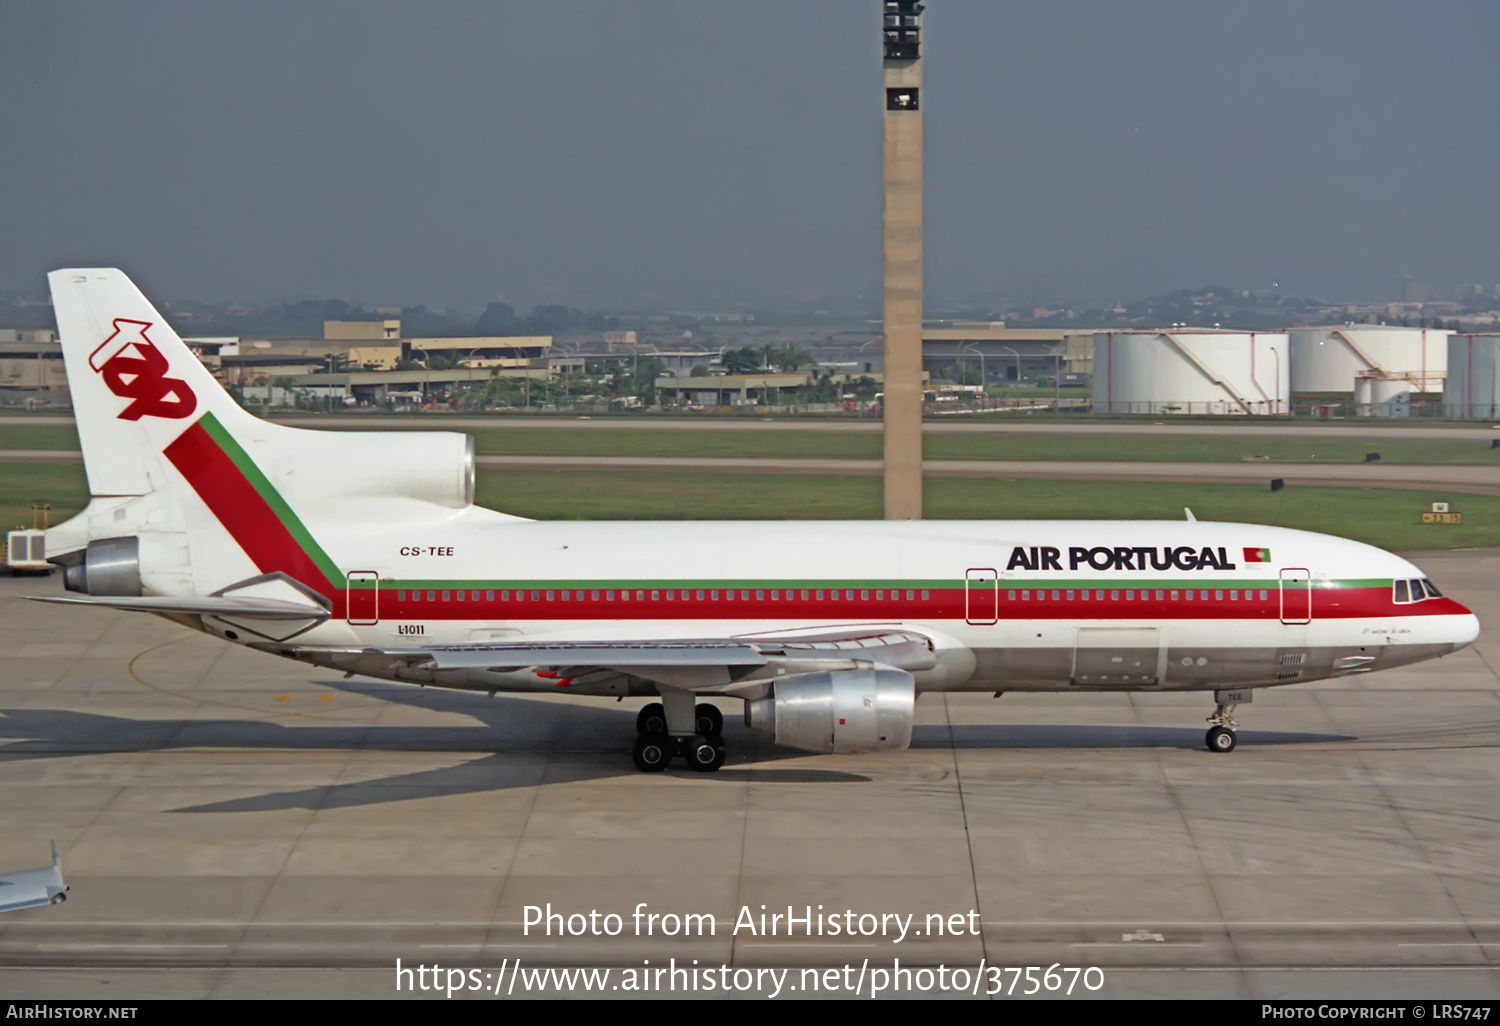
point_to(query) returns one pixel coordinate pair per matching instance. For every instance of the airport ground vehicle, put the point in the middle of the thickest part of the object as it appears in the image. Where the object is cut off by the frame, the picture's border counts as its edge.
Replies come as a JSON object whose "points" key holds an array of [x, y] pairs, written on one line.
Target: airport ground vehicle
{"points": [[364, 552]]}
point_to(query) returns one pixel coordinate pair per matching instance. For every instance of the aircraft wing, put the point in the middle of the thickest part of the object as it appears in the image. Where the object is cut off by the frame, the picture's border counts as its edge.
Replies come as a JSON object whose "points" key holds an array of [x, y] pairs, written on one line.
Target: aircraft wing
{"points": [[31, 888], [700, 665]]}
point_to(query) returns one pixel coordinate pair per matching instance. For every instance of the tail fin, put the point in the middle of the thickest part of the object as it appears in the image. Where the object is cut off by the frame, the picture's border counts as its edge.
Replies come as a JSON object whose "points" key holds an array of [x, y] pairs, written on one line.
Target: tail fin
{"points": [[135, 385]]}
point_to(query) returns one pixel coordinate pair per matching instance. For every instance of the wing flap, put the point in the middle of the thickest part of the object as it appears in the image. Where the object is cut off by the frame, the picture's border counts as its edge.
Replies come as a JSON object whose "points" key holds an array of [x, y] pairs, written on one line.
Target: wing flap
{"points": [[581, 654]]}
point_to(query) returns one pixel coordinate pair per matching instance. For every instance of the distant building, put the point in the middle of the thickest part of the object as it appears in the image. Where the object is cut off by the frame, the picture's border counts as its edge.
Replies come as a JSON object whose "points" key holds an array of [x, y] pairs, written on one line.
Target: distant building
{"points": [[360, 331]]}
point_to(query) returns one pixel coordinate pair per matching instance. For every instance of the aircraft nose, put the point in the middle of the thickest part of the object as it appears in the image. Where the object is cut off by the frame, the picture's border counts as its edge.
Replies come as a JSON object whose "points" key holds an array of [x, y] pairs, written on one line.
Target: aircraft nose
{"points": [[1466, 630]]}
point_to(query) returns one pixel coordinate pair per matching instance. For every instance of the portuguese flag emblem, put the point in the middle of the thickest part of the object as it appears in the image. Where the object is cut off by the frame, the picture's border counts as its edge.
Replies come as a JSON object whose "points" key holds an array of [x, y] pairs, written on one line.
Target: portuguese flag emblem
{"points": [[1257, 555]]}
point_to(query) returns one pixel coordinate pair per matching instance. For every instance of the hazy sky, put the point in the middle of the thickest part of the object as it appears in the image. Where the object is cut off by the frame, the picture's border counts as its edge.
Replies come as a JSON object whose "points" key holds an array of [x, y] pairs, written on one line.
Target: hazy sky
{"points": [[710, 152]]}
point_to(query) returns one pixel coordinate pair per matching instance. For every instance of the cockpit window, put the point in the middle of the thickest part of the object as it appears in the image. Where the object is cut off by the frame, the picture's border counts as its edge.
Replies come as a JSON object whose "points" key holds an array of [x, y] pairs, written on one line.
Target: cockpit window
{"points": [[1415, 590]]}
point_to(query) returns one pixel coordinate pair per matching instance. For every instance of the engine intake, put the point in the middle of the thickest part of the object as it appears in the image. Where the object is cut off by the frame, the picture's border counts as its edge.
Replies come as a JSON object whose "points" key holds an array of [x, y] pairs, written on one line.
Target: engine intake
{"points": [[110, 566], [863, 710]]}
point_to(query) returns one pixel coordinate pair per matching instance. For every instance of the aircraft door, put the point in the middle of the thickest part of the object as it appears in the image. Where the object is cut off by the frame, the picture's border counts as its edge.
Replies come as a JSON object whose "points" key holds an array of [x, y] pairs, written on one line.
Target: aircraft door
{"points": [[1296, 596], [363, 598], [982, 596], [1119, 657]]}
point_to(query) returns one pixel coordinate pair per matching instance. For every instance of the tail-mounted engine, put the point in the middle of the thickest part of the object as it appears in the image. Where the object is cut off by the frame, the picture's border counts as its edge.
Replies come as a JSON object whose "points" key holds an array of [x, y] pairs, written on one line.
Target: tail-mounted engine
{"points": [[109, 566], [862, 710]]}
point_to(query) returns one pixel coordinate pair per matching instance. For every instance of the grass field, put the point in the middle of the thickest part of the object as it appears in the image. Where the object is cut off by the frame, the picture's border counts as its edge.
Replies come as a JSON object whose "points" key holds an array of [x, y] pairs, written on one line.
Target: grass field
{"points": [[528, 440], [1388, 518]]}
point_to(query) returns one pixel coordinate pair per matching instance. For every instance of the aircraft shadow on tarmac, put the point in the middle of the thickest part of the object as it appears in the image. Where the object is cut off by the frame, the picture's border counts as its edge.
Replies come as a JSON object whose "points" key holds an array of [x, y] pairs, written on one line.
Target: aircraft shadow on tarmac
{"points": [[1093, 735], [529, 743]]}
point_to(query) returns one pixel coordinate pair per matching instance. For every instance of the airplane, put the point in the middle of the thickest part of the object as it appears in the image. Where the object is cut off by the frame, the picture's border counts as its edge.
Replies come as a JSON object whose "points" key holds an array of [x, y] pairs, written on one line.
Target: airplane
{"points": [[31, 888], [364, 552]]}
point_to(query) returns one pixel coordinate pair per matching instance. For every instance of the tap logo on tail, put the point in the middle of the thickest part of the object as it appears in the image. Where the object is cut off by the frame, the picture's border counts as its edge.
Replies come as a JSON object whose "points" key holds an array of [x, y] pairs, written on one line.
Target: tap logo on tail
{"points": [[135, 369]]}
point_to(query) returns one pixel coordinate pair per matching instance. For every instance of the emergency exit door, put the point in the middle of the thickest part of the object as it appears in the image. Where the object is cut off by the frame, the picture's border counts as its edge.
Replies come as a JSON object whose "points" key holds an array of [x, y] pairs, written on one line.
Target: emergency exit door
{"points": [[1296, 596], [363, 598], [982, 596]]}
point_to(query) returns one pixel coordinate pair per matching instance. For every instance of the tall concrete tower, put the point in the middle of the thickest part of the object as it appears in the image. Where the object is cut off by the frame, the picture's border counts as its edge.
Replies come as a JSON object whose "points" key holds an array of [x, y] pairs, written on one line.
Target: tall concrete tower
{"points": [[902, 408]]}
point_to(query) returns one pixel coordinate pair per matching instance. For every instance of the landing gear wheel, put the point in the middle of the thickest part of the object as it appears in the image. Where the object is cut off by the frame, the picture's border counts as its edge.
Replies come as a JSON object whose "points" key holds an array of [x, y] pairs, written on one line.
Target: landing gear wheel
{"points": [[652, 752], [708, 721], [704, 754], [1221, 739], [652, 719]]}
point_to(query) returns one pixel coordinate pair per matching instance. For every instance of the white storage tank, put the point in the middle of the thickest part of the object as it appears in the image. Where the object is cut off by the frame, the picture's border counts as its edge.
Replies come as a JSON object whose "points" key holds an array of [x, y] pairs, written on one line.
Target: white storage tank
{"points": [[1473, 385], [1191, 371], [1329, 361]]}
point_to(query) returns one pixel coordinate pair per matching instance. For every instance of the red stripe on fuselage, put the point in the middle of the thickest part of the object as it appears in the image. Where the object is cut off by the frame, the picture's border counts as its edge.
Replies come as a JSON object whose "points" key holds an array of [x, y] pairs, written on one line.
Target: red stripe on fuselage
{"points": [[943, 604], [244, 514]]}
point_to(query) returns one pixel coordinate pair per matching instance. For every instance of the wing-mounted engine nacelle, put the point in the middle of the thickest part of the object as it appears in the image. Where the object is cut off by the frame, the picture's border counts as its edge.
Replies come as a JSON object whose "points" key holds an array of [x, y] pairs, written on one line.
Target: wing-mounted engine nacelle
{"points": [[109, 566], [862, 710]]}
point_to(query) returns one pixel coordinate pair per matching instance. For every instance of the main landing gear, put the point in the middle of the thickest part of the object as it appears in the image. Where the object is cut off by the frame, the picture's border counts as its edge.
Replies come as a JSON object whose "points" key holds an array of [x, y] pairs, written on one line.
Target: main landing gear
{"points": [[1221, 736], [655, 747]]}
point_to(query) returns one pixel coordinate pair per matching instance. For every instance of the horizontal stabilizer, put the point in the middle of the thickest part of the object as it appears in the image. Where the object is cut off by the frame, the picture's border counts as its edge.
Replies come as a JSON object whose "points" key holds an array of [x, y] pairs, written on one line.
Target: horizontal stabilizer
{"points": [[196, 605]]}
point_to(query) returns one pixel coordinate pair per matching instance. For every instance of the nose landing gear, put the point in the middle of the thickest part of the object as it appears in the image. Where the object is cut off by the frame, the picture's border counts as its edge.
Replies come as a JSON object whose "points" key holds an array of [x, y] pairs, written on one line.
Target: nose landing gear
{"points": [[1221, 736]]}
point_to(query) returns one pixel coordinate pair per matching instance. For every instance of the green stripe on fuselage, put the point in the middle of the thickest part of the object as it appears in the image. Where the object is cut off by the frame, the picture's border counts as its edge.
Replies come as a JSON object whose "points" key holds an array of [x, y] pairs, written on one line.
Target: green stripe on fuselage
{"points": [[267, 491]]}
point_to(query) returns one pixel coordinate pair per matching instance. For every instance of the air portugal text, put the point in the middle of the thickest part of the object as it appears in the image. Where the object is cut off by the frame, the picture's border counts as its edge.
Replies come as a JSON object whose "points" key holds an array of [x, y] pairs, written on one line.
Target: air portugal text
{"points": [[1119, 557]]}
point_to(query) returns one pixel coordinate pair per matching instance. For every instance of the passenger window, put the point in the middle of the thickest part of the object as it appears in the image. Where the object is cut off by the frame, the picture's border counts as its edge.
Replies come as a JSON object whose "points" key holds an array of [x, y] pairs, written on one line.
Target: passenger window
{"points": [[1025, 596], [609, 596], [1174, 596], [489, 596], [551, 595], [760, 596], [1401, 592], [400, 596], [593, 596], [1114, 596], [713, 596], [1010, 595], [804, 596], [432, 596], [700, 596], [505, 596], [1158, 596], [1099, 595], [1203, 595], [1070, 596], [566, 594], [1085, 595], [1263, 595], [864, 596], [925, 595], [461, 596], [656, 596], [1056, 596], [1188, 595], [672, 595], [1218, 596], [880, 596], [775, 596], [1130, 596], [820, 596], [536, 596], [1234, 596]]}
